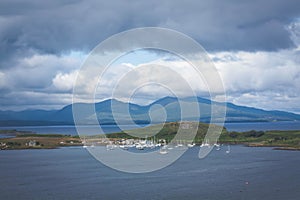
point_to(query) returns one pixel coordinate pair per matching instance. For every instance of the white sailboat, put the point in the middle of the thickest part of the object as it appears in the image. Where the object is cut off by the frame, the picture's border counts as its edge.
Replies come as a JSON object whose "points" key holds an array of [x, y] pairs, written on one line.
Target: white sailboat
{"points": [[179, 144], [217, 146], [158, 145], [84, 143], [163, 150], [169, 146], [139, 147], [205, 144], [228, 149], [111, 146], [141, 144], [125, 147], [191, 145]]}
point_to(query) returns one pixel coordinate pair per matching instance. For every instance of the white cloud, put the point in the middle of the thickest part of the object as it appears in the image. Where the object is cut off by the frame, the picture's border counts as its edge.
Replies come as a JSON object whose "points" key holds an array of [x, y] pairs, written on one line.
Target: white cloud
{"points": [[269, 80], [260, 71], [149, 81], [37, 71], [65, 81], [40, 75]]}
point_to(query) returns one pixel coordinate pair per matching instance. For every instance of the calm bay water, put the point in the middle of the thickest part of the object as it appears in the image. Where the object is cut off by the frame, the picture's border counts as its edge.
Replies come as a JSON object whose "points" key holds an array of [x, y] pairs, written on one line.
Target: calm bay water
{"points": [[71, 130], [263, 126], [68, 129], [71, 173]]}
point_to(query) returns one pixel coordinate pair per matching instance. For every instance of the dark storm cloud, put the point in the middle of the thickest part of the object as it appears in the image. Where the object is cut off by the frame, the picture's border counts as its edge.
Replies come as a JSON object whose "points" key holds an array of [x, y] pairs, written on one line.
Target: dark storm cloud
{"points": [[60, 26]]}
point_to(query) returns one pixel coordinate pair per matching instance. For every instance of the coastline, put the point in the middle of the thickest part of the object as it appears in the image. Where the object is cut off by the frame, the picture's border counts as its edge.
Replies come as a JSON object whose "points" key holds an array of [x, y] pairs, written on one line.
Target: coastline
{"points": [[44, 142], [38, 141], [275, 147], [278, 139]]}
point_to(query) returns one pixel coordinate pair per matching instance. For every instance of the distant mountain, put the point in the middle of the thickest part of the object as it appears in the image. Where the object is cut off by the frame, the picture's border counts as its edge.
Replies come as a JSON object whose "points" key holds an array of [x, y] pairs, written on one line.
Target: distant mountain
{"points": [[167, 108]]}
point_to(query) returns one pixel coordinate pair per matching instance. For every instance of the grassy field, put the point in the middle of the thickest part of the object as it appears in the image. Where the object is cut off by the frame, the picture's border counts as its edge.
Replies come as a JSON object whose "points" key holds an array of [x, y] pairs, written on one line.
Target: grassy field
{"points": [[29, 140], [290, 139]]}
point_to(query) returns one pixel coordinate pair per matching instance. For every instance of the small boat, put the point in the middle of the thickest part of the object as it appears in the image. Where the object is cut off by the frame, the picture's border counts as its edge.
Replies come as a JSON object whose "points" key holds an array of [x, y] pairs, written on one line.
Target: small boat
{"points": [[170, 147], [84, 143], [205, 144], [110, 146], [125, 147], [158, 145], [139, 147], [179, 144], [191, 145], [228, 149], [163, 150], [217, 146]]}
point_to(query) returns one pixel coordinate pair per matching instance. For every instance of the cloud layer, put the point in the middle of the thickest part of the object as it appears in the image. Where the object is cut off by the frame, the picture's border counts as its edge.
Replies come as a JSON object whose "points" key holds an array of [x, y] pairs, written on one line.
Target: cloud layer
{"points": [[255, 46], [56, 27]]}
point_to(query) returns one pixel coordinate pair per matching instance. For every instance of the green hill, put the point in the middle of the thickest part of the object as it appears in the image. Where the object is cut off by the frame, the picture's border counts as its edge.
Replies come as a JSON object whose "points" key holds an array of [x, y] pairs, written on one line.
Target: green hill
{"points": [[285, 139], [167, 132]]}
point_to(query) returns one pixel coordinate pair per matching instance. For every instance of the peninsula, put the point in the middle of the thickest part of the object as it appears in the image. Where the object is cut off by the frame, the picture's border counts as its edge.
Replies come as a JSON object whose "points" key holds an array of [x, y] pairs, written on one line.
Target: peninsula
{"points": [[286, 140]]}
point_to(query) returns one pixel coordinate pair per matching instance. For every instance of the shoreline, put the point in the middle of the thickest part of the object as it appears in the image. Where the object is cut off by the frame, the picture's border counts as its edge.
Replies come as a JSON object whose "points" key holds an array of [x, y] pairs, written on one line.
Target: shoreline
{"points": [[277, 148], [279, 140], [38, 141], [78, 143]]}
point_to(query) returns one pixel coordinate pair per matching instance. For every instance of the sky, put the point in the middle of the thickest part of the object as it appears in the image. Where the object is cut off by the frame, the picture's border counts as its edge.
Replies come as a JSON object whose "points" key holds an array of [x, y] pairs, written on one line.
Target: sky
{"points": [[255, 46]]}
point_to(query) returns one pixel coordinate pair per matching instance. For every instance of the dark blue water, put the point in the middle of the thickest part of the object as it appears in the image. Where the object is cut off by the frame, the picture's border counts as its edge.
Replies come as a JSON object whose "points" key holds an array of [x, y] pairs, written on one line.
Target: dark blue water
{"points": [[71, 173], [71, 130], [67, 130], [6, 136], [263, 126]]}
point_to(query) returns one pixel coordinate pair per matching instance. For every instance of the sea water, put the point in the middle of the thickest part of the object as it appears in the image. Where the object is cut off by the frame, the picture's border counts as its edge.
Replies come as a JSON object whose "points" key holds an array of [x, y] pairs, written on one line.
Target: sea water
{"points": [[72, 173], [94, 129]]}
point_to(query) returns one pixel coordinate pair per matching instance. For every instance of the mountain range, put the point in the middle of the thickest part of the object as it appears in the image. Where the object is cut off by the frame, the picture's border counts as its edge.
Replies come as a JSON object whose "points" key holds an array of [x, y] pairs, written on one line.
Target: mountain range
{"points": [[164, 109]]}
